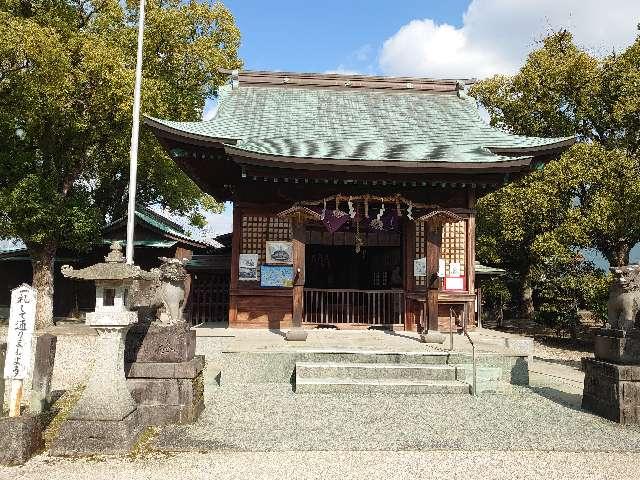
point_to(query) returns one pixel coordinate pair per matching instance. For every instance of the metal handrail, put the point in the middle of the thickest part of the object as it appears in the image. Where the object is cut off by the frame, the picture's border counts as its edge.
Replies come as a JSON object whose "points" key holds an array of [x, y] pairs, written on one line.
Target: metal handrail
{"points": [[473, 346], [473, 351]]}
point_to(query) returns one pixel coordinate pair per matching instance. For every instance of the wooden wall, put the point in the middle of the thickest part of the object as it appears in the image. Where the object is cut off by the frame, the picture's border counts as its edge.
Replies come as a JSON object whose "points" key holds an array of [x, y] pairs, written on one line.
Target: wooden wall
{"points": [[253, 306]]}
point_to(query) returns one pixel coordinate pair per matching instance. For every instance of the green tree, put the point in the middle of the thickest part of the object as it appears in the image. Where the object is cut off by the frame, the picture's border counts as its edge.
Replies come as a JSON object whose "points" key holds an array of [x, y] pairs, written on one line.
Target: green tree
{"points": [[66, 87], [593, 189], [512, 227]]}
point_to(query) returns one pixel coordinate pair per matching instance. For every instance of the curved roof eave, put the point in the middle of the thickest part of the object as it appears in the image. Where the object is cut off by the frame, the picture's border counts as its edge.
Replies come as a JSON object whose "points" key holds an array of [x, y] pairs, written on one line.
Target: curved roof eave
{"points": [[249, 157], [161, 127], [561, 143]]}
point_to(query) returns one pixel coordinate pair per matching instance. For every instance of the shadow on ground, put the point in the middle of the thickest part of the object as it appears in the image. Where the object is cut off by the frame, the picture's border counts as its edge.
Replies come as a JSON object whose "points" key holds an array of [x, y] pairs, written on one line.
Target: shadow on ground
{"points": [[566, 399]]}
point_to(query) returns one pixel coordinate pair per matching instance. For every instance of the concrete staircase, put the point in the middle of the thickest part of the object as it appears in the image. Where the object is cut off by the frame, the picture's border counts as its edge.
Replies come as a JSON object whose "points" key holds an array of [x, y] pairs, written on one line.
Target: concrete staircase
{"points": [[378, 377]]}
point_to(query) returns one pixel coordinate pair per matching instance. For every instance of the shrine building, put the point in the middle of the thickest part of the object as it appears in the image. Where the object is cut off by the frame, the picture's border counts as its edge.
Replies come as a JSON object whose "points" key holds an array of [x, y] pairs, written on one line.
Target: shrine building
{"points": [[353, 196]]}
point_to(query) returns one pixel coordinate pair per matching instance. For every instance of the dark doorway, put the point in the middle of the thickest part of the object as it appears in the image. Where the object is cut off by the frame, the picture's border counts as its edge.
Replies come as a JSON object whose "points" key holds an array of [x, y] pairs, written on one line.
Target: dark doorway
{"points": [[337, 266]]}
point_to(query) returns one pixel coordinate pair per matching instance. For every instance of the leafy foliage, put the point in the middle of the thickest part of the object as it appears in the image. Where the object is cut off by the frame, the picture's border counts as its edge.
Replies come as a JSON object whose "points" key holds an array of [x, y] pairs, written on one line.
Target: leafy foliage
{"points": [[66, 84], [563, 287], [589, 197], [66, 87]]}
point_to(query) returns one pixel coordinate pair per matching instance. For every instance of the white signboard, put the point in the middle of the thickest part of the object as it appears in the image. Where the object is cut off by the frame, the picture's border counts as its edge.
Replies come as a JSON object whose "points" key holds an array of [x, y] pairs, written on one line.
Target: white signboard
{"points": [[248, 266], [454, 269], [280, 253], [420, 267], [22, 317], [441, 267]]}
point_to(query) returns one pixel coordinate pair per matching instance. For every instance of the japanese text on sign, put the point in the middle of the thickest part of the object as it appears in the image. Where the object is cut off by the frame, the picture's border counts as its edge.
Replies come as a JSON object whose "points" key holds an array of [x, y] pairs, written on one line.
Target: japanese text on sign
{"points": [[21, 326]]}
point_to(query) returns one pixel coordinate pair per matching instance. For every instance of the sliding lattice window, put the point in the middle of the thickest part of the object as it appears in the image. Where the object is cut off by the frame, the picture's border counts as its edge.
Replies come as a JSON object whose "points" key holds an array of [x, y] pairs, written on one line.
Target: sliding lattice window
{"points": [[257, 230], [453, 249]]}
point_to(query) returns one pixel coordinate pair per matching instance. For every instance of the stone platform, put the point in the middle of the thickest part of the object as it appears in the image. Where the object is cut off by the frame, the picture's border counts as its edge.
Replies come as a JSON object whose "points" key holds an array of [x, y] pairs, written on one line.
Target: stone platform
{"points": [[20, 438], [167, 393], [612, 390], [612, 379], [97, 437], [163, 374]]}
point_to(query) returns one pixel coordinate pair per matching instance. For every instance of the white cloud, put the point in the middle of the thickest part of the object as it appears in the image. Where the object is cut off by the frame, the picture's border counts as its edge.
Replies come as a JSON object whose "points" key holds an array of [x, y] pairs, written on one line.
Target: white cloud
{"points": [[496, 35]]}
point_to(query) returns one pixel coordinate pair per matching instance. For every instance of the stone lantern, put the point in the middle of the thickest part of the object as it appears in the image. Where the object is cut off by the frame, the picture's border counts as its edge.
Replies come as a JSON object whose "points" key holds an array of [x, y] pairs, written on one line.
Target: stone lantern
{"points": [[105, 419]]}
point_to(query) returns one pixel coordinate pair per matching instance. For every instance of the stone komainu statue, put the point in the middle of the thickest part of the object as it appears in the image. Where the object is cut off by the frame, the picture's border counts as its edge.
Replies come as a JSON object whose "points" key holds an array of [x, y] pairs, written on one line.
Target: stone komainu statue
{"points": [[624, 297], [163, 289]]}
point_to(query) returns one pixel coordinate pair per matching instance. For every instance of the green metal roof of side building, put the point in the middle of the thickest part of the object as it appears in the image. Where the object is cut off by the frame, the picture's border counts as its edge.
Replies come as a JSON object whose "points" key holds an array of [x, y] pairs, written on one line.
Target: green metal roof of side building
{"points": [[355, 118]]}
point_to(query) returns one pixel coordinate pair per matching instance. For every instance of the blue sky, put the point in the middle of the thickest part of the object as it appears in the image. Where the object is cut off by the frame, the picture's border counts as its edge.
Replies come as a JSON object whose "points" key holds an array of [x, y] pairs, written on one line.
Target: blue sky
{"points": [[317, 36]]}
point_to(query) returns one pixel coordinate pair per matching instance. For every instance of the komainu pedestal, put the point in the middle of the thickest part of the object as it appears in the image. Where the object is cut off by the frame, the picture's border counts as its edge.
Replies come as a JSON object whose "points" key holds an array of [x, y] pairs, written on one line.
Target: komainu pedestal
{"points": [[612, 378], [612, 390], [163, 373]]}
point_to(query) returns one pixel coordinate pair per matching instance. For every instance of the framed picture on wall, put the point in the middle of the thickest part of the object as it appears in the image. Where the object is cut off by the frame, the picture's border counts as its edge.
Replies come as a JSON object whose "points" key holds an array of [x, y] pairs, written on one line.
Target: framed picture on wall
{"points": [[279, 253], [420, 267], [276, 276], [248, 267]]}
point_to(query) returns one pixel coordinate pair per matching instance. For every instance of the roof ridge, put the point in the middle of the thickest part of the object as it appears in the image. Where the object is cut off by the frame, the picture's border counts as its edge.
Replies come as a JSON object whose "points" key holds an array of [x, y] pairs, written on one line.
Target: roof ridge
{"points": [[343, 81]]}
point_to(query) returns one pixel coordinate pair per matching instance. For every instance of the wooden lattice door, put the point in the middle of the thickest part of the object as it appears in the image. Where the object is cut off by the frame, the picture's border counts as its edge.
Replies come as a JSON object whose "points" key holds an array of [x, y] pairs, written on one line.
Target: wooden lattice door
{"points": [[209, 297]]}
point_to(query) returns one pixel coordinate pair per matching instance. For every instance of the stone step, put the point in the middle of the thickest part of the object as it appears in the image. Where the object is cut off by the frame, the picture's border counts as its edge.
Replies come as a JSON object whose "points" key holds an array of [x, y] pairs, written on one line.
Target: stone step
{"points": [[278, 366], [350, 370], [387, 385]]}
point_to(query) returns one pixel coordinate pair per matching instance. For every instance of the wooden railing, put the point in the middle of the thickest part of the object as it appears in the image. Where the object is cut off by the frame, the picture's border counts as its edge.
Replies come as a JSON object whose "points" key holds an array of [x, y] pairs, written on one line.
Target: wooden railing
{"points": [[369, 307]]}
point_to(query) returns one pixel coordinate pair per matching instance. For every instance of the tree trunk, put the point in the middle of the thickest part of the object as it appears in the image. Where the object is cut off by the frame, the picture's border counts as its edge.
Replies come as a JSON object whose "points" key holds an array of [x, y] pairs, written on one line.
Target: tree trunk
{"points": [[620, 255], [526, 300], [42, 265]]}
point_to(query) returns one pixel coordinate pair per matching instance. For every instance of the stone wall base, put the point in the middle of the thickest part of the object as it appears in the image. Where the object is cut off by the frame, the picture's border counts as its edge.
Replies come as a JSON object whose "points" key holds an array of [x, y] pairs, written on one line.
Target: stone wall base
{"points": [[21, 438], [618, 346], [97, 437], [167, 393], [612, 391]]}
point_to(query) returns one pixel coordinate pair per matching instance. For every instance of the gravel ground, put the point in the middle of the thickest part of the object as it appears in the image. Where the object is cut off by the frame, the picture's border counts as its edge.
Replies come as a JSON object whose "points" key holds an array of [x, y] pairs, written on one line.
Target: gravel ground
{"points": [[267, 431], [340, 465], [547, 352], [273, 418]]}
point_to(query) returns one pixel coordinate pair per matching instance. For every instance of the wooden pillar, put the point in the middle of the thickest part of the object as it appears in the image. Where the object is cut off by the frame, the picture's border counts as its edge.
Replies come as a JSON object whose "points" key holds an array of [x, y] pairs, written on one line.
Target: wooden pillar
{"points": [[433, 242], [299, 240], [409, 232], [471, 247], [235, 258]]}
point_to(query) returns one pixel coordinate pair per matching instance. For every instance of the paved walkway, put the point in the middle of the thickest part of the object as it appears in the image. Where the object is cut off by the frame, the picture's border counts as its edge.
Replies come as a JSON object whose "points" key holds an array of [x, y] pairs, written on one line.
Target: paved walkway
{"points": [[239, 340], [377, 465]]}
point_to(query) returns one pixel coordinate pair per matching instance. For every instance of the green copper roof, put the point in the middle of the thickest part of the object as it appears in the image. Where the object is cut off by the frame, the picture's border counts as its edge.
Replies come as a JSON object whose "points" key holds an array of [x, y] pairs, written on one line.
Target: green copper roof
{"points": [[356, 125], [486, 270]]}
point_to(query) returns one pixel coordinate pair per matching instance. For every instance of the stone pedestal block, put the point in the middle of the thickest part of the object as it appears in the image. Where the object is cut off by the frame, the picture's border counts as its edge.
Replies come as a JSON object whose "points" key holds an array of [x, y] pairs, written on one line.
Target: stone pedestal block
{"points": [[98, 437], [150, 342], [297, 334], [618, 346], [21, 438], [612, 391], [167, 393], [105, 420], [432, 337]]}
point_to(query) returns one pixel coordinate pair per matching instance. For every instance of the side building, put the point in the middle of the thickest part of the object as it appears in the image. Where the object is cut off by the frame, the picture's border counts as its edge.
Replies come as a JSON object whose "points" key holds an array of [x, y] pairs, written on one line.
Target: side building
{"points": [[155, 236]]}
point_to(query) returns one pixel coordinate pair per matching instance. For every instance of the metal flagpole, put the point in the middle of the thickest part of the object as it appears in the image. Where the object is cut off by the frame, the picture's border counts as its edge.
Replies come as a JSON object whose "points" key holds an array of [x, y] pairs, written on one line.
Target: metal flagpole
{"points": [[133, 153]]}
